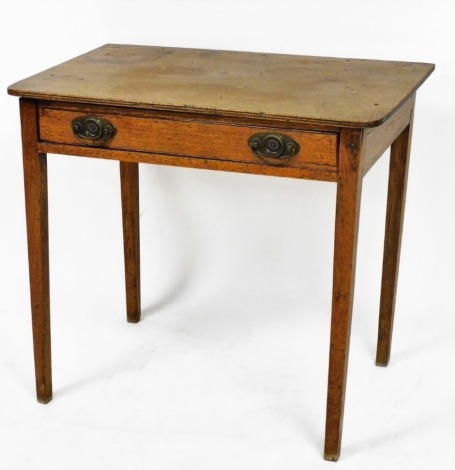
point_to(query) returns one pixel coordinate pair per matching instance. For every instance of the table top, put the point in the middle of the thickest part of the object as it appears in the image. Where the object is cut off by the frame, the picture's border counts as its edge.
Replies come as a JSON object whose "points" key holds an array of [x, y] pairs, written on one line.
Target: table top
{"points": [[348, 92]]}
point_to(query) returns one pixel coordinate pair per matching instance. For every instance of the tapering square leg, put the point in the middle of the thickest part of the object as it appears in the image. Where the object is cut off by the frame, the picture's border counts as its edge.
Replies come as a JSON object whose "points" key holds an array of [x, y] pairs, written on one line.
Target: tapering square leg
{"points": [[129, 179], [398, 175], [35, 185], [346, 228]]}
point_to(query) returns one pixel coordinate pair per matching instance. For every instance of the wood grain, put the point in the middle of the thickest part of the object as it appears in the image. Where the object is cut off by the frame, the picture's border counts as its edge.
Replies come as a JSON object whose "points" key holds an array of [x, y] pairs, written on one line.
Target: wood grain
{"points": [[129, 182], [347, 92], [396, 199], [35, 185], [175, 137], [346, 229]]}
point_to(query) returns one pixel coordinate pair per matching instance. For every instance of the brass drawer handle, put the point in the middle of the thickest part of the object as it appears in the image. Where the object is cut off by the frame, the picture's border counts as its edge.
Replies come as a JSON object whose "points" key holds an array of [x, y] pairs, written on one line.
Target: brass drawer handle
{"points": [[91, 130], [272, 148]]}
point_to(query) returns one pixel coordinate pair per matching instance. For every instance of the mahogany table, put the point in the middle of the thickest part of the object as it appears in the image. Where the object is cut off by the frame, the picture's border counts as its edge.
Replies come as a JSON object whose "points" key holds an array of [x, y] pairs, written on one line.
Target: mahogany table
{"points": [[320, 118]]}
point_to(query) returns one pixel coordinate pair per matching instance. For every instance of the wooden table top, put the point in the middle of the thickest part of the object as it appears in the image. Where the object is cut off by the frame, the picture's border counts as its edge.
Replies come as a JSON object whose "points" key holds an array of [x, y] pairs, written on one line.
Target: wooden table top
{"points": [[348, 92]]}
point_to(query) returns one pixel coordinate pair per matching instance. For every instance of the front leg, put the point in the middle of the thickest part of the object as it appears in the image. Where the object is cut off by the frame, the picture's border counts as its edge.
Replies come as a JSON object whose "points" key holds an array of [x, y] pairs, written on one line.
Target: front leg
{"points": [[35, 185], [349, 187]]}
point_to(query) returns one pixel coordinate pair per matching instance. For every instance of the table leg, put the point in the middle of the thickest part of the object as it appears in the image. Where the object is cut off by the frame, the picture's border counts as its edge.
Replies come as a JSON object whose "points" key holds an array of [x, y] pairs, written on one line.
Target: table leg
{"points": [[35, 185], [349, 187], [129, 179], [398, 175]]}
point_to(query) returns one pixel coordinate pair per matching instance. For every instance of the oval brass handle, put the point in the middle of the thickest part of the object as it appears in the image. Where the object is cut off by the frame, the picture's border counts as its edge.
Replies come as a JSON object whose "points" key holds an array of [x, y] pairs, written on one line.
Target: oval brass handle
{"points": [[92, 130], [273, 148]]}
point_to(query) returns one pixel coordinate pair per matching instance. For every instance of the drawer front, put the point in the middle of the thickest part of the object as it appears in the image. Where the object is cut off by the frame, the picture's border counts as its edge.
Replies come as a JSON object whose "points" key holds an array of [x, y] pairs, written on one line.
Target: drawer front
{"points": [[187, 138]]}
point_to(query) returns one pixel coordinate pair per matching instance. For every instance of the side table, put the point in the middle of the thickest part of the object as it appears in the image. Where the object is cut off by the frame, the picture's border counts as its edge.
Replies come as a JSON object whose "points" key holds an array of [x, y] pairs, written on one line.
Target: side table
{"points": [[320, 118]]}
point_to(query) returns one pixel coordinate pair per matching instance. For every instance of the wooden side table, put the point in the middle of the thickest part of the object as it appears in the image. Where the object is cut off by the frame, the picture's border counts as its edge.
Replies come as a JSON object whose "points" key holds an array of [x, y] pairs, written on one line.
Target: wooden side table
{"points": [[303, 117]]}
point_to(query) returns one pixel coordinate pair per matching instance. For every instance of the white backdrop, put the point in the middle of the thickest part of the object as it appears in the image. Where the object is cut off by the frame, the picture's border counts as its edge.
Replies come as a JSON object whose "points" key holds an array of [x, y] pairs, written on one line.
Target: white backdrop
{"points": [[228, 368]]}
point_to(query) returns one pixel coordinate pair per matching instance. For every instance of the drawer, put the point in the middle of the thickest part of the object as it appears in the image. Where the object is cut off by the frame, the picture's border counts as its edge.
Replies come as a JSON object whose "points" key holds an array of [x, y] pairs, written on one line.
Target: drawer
{"points": [[188, 138]]}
